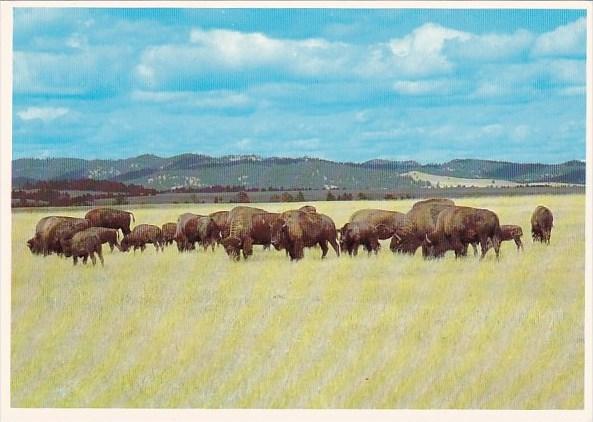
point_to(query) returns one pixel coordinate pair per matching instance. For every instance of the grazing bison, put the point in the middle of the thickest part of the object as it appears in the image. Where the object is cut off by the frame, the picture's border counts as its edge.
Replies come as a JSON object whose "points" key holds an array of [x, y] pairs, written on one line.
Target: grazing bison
{"points": [[420, 221], [388, 223], [140, 236], [308, 208], [248, 226], [221, 221], [456, 227], [542, 222], [84, 244], [110, 218], [169, 230], [294, 230], [352, 235], [192, 228], [45, 228]]}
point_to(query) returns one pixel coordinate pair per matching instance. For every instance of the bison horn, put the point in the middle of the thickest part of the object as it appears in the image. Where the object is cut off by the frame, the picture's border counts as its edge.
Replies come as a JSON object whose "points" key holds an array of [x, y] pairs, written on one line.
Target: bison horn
{"points": [[397, 237], [427, 239]]}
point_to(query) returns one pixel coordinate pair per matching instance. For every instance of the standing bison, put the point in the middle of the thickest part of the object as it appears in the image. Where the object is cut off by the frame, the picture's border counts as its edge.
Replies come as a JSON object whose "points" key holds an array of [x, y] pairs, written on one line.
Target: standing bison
{"points": [[106, 235], [294, 230], [456, 227], [542, 222], [169, 230], [511, 232], [420, 221], [140, 236], [110, 218], [248, 226], [192, 228], [352, 235], [84, 244], [387, 223]]}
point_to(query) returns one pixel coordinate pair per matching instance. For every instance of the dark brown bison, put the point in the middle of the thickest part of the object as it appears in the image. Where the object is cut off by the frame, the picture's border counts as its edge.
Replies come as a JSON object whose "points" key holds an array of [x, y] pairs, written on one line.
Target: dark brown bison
{"points": [[357, 233], [294, 230], [542, 222], [192, 228], [308, 208], [140, 236], [110, 218], [84, 244], [248, 226], [40, 242], [388, 223], [420, 221], [169, 230], [221, 221], [457, 227]]}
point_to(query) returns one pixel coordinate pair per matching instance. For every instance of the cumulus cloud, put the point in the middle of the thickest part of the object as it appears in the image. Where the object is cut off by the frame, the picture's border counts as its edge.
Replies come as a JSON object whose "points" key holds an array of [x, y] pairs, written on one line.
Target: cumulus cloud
{"points": [[565, 40], [210, 99], [424, 87], [489, 47], [45, 114]]}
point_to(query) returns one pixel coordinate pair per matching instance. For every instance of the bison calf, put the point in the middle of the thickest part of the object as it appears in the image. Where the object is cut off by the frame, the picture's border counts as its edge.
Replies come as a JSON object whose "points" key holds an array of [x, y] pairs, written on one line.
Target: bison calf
{"points": [[140, 236], [354, 234], [169, 230], [84, 244]]}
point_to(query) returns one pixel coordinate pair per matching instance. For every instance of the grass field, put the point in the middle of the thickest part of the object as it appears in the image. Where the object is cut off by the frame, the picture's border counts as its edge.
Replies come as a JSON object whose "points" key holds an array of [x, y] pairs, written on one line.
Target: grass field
{"points": [[196, 330]]}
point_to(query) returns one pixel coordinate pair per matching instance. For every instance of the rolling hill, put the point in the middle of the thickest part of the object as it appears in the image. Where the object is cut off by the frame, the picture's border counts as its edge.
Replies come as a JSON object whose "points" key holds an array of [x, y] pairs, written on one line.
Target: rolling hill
{"points": [[196, 170]]}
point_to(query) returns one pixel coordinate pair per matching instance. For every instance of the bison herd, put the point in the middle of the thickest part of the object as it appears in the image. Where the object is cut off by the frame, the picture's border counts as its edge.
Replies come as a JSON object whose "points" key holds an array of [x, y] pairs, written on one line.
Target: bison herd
{"points": [[434, 225]]}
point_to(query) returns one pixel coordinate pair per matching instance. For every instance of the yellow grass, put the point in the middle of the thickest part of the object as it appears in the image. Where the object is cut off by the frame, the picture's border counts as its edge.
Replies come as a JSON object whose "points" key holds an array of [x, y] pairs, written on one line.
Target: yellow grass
{"points": [[196, 330]]}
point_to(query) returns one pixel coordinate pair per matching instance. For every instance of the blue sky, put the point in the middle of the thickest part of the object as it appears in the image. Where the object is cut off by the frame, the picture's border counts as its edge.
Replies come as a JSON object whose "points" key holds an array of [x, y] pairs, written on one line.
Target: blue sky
{"points": [[347, 85]]}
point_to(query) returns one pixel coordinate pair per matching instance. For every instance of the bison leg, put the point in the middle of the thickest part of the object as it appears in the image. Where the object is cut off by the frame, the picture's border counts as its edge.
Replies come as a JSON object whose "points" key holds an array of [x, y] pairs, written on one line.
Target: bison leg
{"points": [[142, 247], [324, 248], [335, 246], [518, 243], [85, 258], [475, 248], [247, 247], [75, 259], [93, 259]]}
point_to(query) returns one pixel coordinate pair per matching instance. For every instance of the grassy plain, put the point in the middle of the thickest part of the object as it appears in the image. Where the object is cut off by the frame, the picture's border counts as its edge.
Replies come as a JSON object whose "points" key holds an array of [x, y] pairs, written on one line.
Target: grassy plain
{"points": [[196, 330]]}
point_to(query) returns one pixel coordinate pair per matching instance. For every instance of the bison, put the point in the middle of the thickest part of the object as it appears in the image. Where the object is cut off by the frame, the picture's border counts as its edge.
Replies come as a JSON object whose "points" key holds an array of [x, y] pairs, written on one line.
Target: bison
{"points": [[511, 232], [389, 223], [357, 233], [221, 223], [419, 222], [106, 235], [542, 222], [456, 227], [294, 230], [110, 218], [84, 244], [192, 228], [42, 241], [169, 230], [248, 226], [140, 236], [60, 235]]}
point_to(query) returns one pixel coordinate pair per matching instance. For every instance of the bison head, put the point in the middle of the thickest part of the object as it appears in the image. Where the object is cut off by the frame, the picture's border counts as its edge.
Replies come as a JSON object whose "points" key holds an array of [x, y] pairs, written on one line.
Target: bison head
{"points": [[278, 229], [232, 246], [125, 244], [34, 245]]}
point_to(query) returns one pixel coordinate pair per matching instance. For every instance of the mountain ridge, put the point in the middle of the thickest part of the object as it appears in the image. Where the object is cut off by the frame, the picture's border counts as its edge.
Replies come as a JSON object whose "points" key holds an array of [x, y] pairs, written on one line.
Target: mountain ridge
{"points": [[199, 170]]}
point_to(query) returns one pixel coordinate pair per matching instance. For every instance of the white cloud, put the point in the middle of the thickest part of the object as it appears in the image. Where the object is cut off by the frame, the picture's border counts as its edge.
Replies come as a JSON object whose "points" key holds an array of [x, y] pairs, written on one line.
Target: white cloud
{"points": [[566, 40], [420, 52], [489, 47], [45, 114]]}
